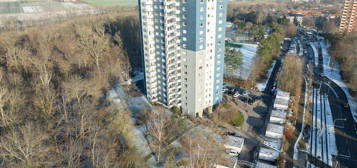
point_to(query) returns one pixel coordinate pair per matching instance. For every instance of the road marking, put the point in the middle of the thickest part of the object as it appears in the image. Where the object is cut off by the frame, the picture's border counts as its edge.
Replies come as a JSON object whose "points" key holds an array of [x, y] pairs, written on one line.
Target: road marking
{"points": [[345, 156], [333, 90]]}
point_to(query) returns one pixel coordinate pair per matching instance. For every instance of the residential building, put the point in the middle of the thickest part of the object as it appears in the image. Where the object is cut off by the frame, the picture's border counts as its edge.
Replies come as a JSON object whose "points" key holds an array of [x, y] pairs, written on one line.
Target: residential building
{"points": [[295, 18], [183, 50], [349, 17]]}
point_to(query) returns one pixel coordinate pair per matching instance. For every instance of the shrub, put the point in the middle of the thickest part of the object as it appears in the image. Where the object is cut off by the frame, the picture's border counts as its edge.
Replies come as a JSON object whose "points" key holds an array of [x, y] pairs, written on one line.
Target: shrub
{"points": [[289, 133], [176, 110], [226, 105], [238, 119], [302, 144]]}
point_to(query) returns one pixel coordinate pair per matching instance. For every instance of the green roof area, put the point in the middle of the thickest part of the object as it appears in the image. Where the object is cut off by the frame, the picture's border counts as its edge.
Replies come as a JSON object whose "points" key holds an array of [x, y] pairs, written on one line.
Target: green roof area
{"points": [[110, 3]]}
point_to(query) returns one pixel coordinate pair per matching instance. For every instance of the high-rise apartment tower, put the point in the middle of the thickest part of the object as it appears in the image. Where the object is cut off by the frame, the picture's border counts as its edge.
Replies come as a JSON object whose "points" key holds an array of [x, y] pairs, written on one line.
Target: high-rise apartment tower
{"points": [[349, 17], [183, 49]]}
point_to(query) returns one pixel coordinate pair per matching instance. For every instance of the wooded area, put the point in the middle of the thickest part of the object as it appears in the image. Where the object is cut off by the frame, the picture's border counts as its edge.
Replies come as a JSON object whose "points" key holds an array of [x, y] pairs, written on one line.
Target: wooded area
{"points": [[344, 50], [53, 83], [291, 76]]}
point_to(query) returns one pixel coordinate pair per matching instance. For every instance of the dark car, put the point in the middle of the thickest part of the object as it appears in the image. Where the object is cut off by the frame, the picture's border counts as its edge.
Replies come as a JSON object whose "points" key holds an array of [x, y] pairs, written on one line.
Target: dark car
{"points": [[346, 106]]}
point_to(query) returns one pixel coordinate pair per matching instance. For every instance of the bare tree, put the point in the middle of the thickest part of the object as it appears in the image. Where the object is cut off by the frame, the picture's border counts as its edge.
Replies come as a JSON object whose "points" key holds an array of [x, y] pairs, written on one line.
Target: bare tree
{"points": [[291, 77], [24, 147], [158, 120], [202, 150], [95, 44]]}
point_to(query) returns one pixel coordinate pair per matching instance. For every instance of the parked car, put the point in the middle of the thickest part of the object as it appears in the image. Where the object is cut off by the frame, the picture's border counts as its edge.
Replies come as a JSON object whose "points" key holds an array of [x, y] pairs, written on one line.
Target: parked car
{"points": [[346, 106], [236, 94], [245, 93], [225, 90]]}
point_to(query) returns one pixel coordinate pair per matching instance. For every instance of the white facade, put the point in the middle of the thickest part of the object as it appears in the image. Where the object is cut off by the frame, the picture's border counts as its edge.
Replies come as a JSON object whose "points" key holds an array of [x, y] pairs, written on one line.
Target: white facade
{"points": [[183, 48]]}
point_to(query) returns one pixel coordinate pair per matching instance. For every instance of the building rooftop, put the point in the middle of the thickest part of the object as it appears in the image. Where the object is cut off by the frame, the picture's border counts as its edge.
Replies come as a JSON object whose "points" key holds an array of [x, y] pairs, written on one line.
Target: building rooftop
{"points": [[278, 113], [268, 154], [283, 95], [281, 103], [264, 165], [275, 128], [273, 143]]}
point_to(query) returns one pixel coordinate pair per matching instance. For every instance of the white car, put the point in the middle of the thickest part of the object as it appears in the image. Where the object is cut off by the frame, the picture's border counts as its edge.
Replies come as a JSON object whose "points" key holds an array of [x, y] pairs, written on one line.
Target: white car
{"points": [[236, 95]]}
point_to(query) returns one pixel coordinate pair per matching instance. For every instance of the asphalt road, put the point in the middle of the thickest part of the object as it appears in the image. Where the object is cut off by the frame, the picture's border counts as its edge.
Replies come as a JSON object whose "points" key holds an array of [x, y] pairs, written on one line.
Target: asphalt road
{"points": [[345, 127]]}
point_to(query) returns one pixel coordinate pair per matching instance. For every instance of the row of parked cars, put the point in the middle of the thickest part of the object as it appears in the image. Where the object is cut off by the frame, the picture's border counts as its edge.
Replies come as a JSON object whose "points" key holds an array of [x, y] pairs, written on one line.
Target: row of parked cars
{"points": [[241, 94]]}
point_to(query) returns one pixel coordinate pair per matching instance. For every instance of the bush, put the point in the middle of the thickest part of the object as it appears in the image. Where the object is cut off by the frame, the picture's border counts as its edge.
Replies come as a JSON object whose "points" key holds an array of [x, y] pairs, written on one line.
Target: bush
{"points": [[226, 105], [289, 133], [176, 110], [302, 144], [238, 120], [268, 50]]}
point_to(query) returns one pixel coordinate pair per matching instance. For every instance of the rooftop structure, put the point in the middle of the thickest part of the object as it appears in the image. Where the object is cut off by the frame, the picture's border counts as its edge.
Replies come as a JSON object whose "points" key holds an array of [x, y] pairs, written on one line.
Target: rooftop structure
{"points": [[264, 165], [273, 144], [268, 154], [281, 104], [278, 116], [282, 100], [283, 95], [274, 131]]}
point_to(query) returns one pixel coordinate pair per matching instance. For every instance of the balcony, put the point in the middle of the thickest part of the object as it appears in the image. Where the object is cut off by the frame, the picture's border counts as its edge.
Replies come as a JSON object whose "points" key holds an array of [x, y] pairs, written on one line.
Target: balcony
{"points": [[147, 3], [147, 8]]}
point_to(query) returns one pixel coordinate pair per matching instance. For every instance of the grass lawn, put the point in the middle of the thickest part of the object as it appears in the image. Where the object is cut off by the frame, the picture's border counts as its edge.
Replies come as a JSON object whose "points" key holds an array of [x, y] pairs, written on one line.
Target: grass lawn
{"points": [[10, 7], [110, 3]]}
